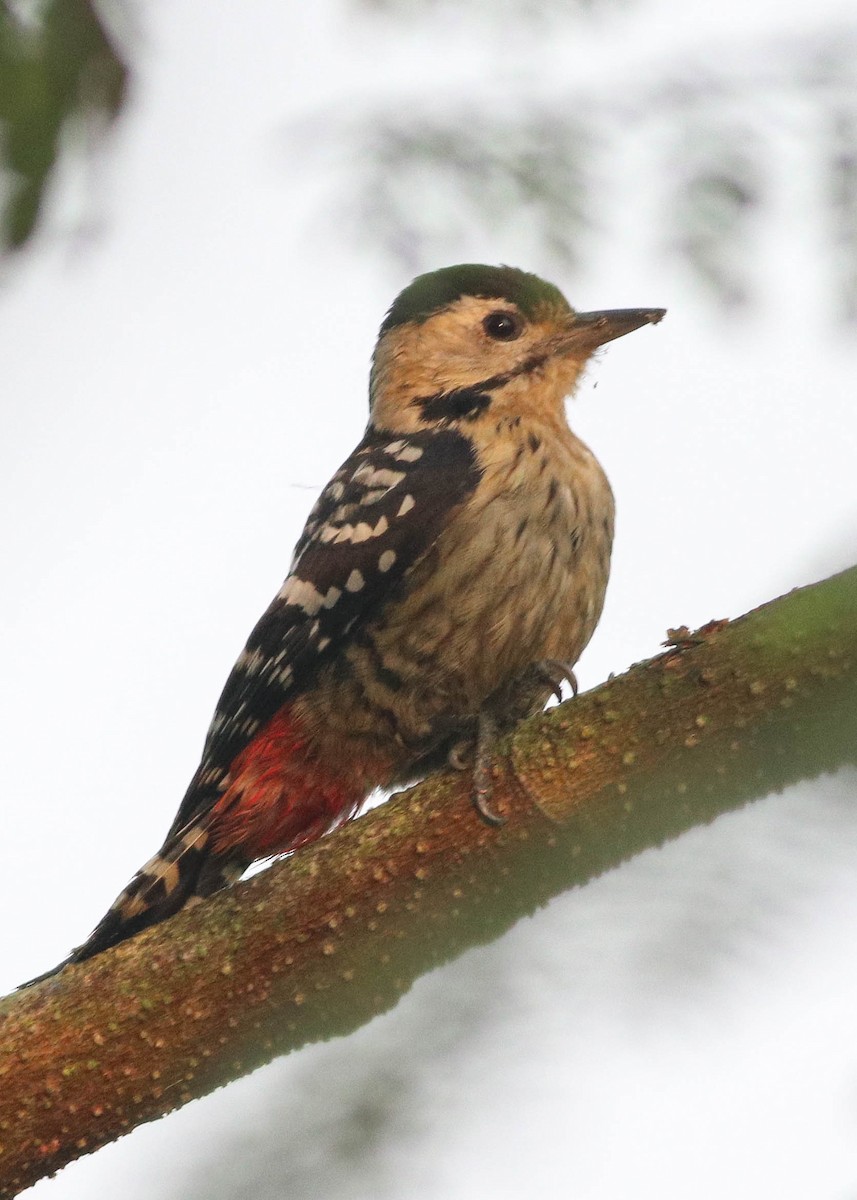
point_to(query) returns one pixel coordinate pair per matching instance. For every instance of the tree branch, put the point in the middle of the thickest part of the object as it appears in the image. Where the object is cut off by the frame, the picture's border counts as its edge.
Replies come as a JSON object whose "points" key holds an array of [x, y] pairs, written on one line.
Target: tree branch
{"points": [[322, 942]]}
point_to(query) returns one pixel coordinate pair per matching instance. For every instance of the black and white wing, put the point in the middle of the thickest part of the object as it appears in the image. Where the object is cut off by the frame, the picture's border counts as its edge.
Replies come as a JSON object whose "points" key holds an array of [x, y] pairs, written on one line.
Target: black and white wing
{"points": [[379, 514]]}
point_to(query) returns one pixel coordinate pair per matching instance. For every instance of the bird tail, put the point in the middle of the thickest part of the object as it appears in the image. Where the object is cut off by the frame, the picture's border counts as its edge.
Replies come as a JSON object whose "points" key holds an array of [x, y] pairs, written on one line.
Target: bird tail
{"points": [[184, 867]]}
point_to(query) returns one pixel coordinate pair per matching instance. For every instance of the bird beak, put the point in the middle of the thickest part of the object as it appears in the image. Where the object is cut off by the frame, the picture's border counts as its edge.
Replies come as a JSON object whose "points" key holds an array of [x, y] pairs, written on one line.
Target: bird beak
{"points": [[585, 331]]}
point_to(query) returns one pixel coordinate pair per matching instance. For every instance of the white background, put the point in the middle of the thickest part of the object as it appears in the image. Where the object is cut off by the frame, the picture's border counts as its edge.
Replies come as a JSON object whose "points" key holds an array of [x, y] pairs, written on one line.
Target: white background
{"points": [[180, 374]]}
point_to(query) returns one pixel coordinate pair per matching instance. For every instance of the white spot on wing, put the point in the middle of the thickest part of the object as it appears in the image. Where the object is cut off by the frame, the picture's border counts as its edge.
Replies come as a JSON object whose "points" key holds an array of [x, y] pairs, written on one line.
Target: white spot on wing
{"points": [[386, 560], [406, 505], [408, 453], [355, 581], [375, 477], [302, 593], [250, 661], [355, 534]]}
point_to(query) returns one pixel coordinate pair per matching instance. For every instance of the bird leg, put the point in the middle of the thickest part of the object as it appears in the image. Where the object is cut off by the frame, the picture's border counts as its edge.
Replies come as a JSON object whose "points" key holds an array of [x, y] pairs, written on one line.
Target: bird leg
{"points": [[500, 713]]}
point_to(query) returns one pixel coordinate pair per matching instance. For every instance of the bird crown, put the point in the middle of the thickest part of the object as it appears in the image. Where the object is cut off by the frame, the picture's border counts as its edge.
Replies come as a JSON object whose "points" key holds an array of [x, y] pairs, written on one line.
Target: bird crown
{"points": [[438, 289]]}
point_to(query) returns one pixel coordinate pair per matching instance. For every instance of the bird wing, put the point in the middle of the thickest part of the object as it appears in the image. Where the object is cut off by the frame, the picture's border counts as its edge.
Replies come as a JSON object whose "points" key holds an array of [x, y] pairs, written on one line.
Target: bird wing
{"points": [[380, 514]]}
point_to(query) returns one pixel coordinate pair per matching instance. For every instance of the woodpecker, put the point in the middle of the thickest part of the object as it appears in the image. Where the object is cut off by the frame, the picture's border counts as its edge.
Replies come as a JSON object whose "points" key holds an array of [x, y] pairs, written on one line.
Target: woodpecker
{"points": [[447, 580]]}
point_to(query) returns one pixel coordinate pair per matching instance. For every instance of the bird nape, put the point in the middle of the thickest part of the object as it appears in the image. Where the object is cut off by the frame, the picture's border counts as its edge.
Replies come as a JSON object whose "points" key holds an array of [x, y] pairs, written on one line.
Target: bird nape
{"points": [[446, 582]]}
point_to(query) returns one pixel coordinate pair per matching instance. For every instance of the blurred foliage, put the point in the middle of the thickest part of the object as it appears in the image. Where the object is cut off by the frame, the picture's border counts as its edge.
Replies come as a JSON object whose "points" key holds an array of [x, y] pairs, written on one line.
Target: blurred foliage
{"points": [[720, 185], [842, 187], [417, 186], [59, 76], [704, 150], [493, 10]]}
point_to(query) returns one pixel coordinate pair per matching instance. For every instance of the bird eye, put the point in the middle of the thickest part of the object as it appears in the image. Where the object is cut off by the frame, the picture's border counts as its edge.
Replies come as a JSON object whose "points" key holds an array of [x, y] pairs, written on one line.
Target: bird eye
{"points": [[503, 326]]}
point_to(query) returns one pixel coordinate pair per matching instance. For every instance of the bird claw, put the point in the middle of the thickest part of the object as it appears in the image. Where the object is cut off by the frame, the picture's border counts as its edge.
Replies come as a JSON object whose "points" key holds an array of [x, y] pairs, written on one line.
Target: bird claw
{"points": [[552, 672], [460, 756], [481, 802], [557, 673], [483, 782]]}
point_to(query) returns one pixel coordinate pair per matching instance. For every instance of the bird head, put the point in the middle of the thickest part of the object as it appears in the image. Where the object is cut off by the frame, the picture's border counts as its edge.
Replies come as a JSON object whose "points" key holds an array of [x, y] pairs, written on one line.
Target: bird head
{"points": [[467, 341]]}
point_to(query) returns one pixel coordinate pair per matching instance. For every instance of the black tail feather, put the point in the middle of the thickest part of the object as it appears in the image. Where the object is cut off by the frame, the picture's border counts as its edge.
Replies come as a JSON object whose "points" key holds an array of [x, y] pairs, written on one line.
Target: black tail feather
{"points": [[184, 867]]}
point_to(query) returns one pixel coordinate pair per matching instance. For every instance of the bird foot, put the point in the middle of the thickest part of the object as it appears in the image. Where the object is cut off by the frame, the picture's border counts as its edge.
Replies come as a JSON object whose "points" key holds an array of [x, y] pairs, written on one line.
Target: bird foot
{"points": [[478, 757], [555, 674], [460, 756]]}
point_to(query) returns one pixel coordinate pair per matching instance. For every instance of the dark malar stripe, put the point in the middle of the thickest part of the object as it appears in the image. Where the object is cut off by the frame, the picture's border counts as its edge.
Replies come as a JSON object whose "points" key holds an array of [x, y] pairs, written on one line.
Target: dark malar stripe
{"points": [[466, 404], [461, 404]]}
